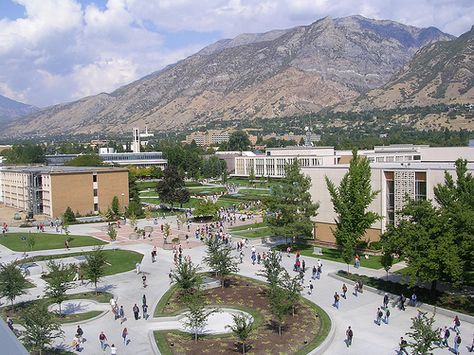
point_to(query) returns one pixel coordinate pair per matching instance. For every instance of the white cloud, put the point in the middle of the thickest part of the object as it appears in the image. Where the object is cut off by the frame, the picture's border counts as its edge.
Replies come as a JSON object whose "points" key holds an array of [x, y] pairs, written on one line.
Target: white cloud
{"points": [[62, 50]]}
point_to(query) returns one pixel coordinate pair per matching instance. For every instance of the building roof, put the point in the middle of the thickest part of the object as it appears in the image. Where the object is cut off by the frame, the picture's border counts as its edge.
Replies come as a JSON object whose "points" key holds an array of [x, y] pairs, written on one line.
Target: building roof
{"points": [[43, 169], [408, 165], [10, 343]]}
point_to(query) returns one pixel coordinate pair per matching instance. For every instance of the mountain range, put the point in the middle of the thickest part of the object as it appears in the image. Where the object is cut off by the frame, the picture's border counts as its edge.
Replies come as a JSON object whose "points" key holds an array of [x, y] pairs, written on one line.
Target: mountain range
{"points": [[347, 63], [10, 109]]}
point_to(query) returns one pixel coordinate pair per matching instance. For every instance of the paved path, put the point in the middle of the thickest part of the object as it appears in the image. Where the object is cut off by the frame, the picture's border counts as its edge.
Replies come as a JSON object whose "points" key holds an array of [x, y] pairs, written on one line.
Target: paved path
{"points": [[359, 312]]}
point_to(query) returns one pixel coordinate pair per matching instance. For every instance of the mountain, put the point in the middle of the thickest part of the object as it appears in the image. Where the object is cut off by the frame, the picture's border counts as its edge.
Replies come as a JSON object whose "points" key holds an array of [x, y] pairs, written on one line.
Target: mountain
{"points": [[10, 109], [440, 73], [274, 74]]}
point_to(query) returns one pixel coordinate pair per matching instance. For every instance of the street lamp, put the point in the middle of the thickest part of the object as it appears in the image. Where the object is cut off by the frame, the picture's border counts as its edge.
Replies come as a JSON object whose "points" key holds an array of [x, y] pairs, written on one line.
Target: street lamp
{"points": [[123, 206]]}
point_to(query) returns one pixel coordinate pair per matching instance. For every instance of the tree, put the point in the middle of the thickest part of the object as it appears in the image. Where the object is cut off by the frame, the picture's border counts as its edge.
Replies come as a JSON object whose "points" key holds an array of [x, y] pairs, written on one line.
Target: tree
{"points": [[351, 200], [112, 232], [206, 209], [197, 315], [86, 160], [239, 140], [423, 335], [187, 277], [387, 261], [292, 287], [456, 199], [25, 154], [172, 188], [41, 328], [58, 282], [69, 216], [242, 328], [279, 304], [115, 207], [134, 209], [219, 259], [425, 238], [252, 176], [213, 167], [12, 282], [291, 205], [166, 231], [30, 242], [94, 266], [272, 269]]}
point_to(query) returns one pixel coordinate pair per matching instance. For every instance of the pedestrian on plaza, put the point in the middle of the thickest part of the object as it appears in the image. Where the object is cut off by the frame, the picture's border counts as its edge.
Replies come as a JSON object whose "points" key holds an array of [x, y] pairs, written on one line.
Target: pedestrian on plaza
{"points": [[125, 336], [66, 244], [113, 350], [403, 346], [336, 300], [344, 291], [144, 281], [76, 273], [103, 341], [144, 300], [136, 311], [385, 301], [457, 343], [310, 286], [349, 336], [121, 314], [378, 316], [76, 343], [471, 349], [145, 311], [241, 256], [137, 268], [315, 270], [446, 337], [356, 289], [413, 299], [112, 303], [456, 324], [387, 315], [259, 258], [303, 265], [402, 302], [79, 333]]}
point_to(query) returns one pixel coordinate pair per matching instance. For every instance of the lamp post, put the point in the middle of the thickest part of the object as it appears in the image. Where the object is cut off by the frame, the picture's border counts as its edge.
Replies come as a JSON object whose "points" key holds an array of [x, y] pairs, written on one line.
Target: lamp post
{"points": [[123, 206]]}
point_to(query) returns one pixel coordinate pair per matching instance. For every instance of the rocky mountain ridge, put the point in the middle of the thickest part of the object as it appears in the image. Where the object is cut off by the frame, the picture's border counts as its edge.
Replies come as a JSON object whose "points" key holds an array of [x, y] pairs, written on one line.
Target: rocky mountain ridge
{"points": [[275, 74], [10, 109]]}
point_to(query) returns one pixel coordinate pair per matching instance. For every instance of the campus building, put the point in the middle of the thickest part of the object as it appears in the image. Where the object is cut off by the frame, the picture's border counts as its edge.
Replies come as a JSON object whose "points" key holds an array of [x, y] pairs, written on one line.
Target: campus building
{"points": [[50, 190], [394, 181], [208, 138]]}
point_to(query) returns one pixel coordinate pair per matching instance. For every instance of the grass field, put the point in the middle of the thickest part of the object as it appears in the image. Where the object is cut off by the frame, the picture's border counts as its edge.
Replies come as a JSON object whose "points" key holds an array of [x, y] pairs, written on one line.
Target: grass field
{"points": [[118, 261], [46, 241], [248, 226], [255, 233], [192, 203], [333, 254]]}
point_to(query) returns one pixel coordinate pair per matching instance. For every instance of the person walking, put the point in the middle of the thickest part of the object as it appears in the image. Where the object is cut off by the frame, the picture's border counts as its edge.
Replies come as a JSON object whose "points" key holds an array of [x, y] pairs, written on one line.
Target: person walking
{"points": [[457, 343], [103, 341], [145, 311], [310, 286], [446, 336], [456, 324], [125, 336], [471, 349], [315, 270], [79, 333], [144, 300], [113, 350], [344, 291], [121, 314], [303, 265], [385, 300], [144, 281], [336, 300], [136, 311], [378, 316], [349, 336], [403, 347], [387, 315], [402, 302]]}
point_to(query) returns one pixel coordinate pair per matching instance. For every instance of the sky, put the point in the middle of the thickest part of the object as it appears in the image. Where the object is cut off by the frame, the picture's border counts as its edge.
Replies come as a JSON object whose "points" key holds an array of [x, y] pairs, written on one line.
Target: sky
{"points": [[54, 51]]}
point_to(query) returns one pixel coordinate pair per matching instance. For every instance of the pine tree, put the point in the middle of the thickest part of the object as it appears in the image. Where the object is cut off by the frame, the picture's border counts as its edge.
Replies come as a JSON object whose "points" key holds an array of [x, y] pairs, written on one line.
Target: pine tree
{"points": [[423, 335], [219, 259]]}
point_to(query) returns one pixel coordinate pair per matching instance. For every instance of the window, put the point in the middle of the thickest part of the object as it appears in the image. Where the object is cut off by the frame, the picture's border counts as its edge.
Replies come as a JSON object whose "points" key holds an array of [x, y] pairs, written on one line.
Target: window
{"points": [[94, 178], [96, 207], [95, 192]]}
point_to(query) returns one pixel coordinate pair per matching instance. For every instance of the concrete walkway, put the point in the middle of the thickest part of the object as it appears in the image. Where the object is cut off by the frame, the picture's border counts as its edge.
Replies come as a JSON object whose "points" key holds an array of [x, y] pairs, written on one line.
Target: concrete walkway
{"points": [[358, 312]]}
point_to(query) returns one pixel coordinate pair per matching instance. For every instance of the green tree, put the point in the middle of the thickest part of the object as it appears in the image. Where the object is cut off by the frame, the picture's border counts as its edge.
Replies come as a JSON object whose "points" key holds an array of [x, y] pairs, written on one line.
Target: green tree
{"points": [[423, 335], [242, 328], [272, 270], [197, 315], [291, 205], [94, 266], [171, 188], [292, 287], [206, 209], [134, 209], [41, 328], [351, 200], [166, 231], [12, 282], [387, 261], [252, 176], [187, 277], [115, 206], [112, 232], [456, 199], [58, 281], [69, 216], [30, 242], [280, 305], [425, 238], [239, 140], [25, 154], [219, 259], [86, 160], [213, 167]]}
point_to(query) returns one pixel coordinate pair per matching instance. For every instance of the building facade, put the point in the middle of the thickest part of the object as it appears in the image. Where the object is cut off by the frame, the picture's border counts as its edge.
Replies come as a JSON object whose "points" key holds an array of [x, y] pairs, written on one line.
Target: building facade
{"points": [[394, 182], [108, 155], [50, 190], [208, 138]]}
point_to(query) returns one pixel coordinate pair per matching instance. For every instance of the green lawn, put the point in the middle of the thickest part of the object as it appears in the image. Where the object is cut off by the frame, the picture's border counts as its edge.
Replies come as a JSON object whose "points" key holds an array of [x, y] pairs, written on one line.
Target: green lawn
{"points": [[255, 192], [193, 202], [102, 297], [247, 226], [332, 254], [46, 241], [255, 233], [118, 261], [245, 182]]}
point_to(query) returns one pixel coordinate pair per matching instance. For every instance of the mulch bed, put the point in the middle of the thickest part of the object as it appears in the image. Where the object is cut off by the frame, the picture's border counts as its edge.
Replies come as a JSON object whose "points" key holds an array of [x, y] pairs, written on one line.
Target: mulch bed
{"points": [[298, 329]]}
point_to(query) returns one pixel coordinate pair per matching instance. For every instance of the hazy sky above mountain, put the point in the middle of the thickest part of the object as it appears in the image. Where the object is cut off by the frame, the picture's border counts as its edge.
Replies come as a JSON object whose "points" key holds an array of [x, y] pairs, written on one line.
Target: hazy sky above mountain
{"points": [[59, 50]]}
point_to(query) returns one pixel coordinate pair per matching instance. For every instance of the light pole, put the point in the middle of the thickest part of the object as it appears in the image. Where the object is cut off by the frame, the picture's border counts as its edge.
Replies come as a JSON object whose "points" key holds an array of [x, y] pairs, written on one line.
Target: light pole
{"points": [[123, 206]]}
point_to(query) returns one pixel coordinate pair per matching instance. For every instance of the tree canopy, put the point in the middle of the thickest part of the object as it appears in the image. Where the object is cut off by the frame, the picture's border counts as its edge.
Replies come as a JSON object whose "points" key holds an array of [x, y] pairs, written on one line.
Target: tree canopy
{"points": [[86, 160], [171, 188], [25, 154], [239, 140], [290, 205]]}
